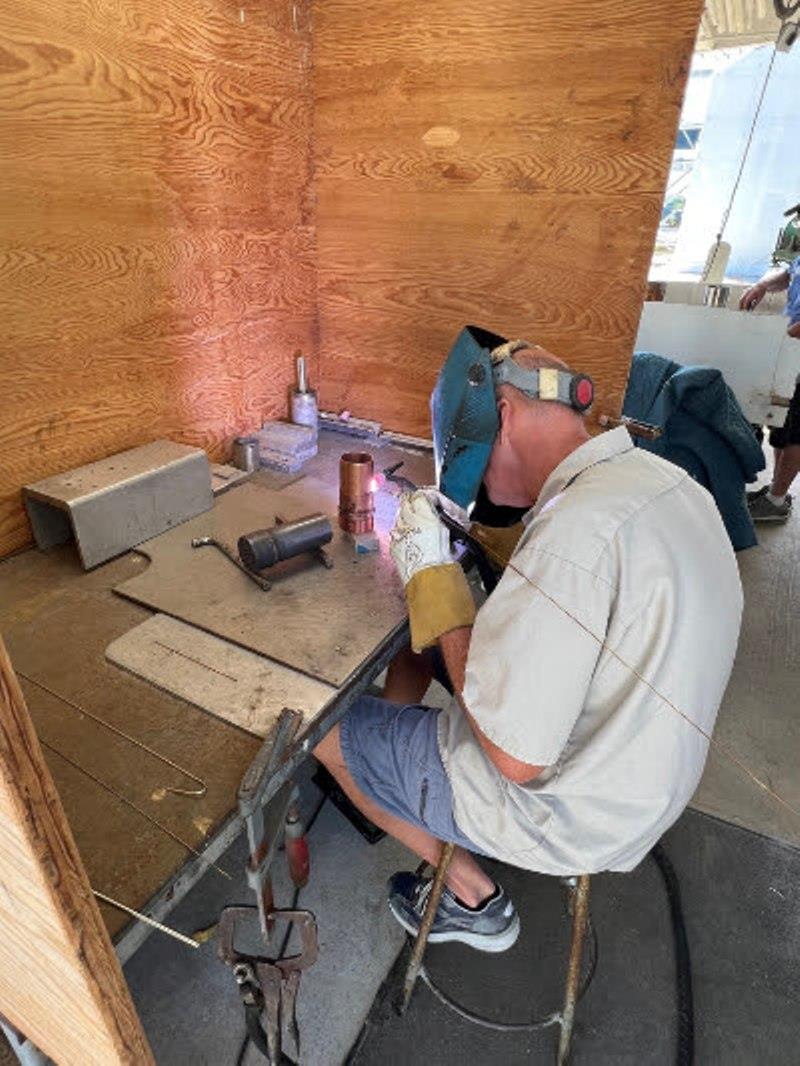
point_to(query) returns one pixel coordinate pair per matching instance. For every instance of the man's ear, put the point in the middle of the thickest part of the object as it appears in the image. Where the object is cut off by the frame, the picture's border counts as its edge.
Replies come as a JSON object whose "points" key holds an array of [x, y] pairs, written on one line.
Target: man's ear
{"points": [[504, 416]]}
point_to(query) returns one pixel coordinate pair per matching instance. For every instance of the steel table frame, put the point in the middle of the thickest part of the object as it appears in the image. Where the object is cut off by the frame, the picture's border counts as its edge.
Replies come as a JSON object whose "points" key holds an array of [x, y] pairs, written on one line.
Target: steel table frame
{"points": [[131, 938]]}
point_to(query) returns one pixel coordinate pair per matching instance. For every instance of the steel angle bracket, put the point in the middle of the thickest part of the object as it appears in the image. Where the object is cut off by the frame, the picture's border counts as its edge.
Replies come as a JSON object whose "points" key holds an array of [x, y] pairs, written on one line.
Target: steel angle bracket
{"points": [[112, 505]]}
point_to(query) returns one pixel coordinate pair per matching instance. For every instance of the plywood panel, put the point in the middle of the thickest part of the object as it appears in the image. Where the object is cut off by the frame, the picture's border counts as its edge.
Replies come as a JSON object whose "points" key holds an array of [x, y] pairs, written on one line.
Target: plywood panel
{"points": [[60, 981], [156, 231], [500, 164]]}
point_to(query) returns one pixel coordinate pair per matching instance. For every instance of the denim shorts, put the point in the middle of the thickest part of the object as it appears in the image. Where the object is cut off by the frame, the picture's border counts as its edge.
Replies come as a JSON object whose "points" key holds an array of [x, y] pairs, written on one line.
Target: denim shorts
{"points": [[392, 753]]}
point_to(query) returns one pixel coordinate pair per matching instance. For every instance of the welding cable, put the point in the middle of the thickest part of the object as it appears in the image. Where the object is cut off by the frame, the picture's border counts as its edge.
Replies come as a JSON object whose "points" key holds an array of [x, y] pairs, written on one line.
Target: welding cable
{"points": [[246, 1039], [684, 1055]]}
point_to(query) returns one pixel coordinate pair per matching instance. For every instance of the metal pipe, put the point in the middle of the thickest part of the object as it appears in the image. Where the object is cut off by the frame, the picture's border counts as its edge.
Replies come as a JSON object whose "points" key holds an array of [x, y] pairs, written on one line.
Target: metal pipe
{"points": [[421, 942], [580, 915], [266, 547], [245, 453], [356, 492]]}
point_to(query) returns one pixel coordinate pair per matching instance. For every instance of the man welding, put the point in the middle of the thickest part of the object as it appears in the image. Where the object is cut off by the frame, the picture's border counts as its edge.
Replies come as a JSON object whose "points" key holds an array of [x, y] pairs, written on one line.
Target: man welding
{"points": [[567, 749]]}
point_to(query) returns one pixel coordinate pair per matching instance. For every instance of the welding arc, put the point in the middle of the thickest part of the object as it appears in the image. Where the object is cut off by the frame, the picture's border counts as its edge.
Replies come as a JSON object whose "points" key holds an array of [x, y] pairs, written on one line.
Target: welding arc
{"points": [[130, 803], [719, 747], [201, 791]]}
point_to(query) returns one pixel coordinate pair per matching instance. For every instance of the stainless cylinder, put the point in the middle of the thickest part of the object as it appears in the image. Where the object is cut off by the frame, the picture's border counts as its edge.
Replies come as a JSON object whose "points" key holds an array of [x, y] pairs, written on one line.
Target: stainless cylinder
{"points": [[265, 547], [356, 493], [304, 408], [245, 453]]}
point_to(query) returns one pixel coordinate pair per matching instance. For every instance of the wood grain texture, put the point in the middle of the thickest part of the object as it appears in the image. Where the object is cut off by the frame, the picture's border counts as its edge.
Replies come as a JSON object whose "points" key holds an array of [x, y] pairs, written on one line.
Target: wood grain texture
{"points": [[156, 228], [502, 165], [60, 981]]}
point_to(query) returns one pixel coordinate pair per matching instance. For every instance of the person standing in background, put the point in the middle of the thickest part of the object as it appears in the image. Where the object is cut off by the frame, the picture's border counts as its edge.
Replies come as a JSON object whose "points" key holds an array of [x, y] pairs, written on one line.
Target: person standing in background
{"points": [[773, 503]]}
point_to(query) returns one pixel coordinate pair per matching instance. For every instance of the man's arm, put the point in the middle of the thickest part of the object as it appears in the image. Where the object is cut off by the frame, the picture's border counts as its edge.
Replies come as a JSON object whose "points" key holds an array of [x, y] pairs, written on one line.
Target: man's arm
{"points": [[440, 605], [455, 649], [775, 280]]}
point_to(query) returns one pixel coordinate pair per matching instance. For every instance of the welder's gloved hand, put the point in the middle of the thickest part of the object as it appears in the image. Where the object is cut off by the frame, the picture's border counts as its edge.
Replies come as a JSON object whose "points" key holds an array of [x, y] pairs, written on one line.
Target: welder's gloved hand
{"points": [[438, 596]]}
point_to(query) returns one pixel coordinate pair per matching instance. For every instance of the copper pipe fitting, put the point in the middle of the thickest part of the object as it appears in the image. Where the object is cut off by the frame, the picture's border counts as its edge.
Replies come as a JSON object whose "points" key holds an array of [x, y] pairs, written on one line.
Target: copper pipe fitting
{"points": [[356, 495]]}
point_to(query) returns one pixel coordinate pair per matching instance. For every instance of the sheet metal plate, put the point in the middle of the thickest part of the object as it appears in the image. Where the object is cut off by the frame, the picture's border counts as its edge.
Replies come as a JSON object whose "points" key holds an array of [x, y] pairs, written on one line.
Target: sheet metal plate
{"points": [[222, 678], [323, 622]]}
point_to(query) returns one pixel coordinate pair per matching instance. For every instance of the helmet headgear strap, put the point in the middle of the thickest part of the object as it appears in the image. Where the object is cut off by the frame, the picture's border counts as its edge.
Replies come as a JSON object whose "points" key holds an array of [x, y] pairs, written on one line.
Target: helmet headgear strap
{"points": [[543, 383]]}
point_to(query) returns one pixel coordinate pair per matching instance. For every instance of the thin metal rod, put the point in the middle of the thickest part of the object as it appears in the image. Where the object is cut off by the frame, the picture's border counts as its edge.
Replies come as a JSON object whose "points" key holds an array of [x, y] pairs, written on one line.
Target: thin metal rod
{"points": [[421, 942], [580, 916], [201, 791], [146, 919], [132, 805]]}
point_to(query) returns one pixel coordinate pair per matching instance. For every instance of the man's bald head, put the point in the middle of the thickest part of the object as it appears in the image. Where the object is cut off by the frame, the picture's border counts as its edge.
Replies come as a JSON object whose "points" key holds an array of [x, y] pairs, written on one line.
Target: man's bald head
{"points": [[533, 437]]}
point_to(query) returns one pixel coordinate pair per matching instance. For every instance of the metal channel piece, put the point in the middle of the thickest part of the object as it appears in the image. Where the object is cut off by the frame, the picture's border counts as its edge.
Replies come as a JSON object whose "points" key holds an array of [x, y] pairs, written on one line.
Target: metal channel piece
{"points": [[112, 505]]}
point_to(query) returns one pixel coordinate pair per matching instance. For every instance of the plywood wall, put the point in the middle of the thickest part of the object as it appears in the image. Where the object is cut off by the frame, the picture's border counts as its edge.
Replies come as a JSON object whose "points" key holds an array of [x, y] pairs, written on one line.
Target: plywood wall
{"points": [[60, 981], [156, 231], [501, 164]]}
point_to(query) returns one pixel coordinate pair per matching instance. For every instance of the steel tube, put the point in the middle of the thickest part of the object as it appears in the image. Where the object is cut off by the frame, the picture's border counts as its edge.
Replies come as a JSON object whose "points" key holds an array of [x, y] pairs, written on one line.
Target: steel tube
{"points": [[265, 547], [356, 495]]}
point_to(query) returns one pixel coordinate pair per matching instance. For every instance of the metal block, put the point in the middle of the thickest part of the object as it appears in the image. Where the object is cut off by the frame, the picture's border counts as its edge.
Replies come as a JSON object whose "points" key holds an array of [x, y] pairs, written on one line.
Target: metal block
{"points": [[112, 505]]}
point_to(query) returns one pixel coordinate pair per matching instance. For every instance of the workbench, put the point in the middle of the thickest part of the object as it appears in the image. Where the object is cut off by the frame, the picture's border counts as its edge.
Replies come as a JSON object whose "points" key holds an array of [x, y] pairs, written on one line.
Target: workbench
{"points": [[58, 620]]}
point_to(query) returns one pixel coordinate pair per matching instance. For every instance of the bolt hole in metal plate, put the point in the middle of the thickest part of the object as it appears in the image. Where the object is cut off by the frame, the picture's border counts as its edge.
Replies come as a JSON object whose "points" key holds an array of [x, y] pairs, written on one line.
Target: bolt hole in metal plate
{"points": [[323, 622]]}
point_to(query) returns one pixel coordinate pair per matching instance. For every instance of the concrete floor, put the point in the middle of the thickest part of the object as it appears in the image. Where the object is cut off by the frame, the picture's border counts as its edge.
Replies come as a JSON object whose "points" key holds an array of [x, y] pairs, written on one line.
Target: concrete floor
{"points": [[759, 719]]}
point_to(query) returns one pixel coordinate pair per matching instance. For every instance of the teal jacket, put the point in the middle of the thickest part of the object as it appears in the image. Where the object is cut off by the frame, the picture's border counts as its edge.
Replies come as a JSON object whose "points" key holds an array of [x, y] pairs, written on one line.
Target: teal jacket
{"points": [[704, 431]]}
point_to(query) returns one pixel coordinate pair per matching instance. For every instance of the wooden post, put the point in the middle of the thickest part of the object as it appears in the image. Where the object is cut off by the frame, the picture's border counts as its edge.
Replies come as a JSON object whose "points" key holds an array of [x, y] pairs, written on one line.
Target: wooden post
{"points": [[60, 981]]}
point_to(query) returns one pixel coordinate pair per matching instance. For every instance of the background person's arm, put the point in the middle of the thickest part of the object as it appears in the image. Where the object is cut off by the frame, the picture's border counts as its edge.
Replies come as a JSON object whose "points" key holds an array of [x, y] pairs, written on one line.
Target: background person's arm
{"points": [[775, 280], [454, 646]]}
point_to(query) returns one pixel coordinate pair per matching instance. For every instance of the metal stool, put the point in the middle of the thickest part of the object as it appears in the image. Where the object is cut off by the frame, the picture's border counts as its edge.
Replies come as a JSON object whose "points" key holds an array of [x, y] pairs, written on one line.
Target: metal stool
{"points": [[573, 988]]}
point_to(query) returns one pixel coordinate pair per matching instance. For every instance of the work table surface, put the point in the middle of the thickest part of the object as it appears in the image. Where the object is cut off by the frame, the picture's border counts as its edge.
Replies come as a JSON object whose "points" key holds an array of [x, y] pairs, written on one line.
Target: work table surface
{"points": [[57, 621]]}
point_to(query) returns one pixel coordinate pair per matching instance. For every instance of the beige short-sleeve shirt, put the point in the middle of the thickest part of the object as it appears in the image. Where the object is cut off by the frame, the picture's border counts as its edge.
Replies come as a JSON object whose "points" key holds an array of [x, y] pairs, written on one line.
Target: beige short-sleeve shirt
{"points": [[624, 568]]}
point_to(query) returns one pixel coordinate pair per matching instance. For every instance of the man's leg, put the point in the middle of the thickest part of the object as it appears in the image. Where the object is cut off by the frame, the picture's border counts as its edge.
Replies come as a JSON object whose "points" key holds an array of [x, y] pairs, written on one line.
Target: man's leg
{"points": [[787, 467], [464, 877], [408, 677]]}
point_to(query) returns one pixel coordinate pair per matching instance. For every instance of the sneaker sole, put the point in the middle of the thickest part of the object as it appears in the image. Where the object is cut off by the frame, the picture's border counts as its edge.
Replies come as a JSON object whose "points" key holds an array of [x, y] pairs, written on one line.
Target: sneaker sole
{"points": [[771, 518], [491, 944]]}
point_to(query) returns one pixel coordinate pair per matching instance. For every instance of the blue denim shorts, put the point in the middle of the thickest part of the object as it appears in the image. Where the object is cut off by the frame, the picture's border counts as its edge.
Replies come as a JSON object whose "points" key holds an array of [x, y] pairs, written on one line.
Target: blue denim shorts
{"points": [[392, 753]]}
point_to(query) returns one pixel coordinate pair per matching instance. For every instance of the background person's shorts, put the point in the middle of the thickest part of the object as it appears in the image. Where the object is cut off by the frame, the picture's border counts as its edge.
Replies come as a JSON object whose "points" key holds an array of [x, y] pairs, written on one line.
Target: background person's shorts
{"points": [[392, 753], [789, 432]]}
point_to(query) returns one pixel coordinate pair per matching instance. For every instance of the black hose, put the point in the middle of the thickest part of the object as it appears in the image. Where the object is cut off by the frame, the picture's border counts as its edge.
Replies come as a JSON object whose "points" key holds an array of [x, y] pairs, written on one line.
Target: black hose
{"points": [[683, 963]]}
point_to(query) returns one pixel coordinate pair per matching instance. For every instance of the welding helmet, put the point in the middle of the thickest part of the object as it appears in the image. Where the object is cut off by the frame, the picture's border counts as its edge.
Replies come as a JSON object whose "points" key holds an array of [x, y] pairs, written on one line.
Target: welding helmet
{"points": [[464, 405]]}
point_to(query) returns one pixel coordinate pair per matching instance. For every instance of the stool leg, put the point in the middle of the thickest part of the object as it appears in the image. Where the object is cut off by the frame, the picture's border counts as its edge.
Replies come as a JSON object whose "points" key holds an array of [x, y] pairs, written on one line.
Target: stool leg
{"points": [[580, 917], [421, 942]]}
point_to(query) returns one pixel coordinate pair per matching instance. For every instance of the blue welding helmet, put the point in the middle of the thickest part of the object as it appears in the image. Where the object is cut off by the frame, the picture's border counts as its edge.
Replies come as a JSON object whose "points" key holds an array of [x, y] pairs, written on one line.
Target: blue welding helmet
{"points": [[464, 406], [464, 415]]}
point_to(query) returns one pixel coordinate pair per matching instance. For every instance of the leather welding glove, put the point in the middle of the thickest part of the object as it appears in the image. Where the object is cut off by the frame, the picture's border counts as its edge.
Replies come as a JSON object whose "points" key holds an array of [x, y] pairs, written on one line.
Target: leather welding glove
{"points": [[499, 542], [437, 592]]}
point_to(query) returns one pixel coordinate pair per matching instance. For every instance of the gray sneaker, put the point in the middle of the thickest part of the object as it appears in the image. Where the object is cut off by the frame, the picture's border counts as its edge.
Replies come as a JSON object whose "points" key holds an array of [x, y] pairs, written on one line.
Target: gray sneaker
{"points": [[754, 494], [493, 927], [763, 510]]}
